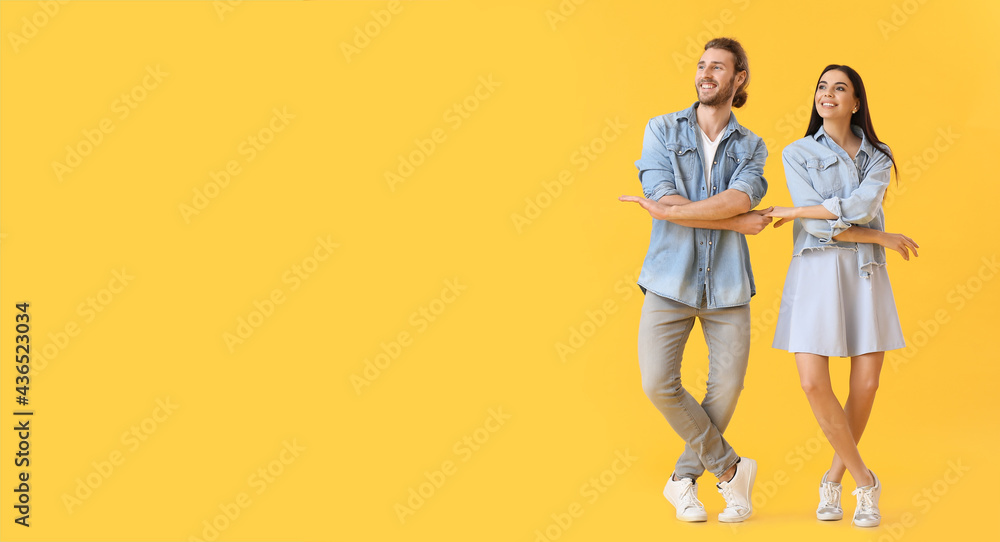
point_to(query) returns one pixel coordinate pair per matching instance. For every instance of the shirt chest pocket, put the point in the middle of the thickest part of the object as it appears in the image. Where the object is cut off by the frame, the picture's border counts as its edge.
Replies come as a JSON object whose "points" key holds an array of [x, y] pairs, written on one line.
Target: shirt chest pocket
{"points": [[686, 164], [826, 177], [736, 159]]}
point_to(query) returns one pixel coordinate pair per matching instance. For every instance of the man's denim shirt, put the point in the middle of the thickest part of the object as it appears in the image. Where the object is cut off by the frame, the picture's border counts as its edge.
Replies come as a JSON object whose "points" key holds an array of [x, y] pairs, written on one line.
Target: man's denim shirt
{"points": [[684, 264], [819, 172]]}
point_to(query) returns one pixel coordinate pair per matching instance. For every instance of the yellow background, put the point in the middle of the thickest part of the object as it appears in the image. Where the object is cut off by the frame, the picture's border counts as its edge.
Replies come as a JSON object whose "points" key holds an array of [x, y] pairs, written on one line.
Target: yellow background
{"points": [[341, 461]]}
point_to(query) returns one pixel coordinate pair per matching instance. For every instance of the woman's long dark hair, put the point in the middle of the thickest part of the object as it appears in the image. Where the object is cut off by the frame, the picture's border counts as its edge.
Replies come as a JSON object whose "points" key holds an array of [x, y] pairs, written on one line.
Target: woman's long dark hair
{"points": [[862, 118]]}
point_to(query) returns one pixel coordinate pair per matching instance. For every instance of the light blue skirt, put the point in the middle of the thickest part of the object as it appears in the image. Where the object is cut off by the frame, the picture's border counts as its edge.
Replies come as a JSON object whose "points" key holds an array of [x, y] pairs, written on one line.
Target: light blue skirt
{"points": [[828, 309]]}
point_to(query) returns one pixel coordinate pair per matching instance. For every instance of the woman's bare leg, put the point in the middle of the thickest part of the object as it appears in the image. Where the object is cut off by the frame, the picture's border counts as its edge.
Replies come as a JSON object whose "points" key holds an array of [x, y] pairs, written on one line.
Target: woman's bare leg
{"points": [[865, 370], [814, 375]]}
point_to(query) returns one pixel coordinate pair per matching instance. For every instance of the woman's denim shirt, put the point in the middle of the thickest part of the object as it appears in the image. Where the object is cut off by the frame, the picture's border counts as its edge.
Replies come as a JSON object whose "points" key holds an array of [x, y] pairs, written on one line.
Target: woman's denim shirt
{"points": [[819, 172], [684, 263]]}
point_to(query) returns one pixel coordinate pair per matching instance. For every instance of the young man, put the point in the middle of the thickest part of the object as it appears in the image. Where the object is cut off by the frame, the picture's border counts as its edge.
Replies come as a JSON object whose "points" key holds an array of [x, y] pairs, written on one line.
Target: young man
{"points": [[702, 174]]}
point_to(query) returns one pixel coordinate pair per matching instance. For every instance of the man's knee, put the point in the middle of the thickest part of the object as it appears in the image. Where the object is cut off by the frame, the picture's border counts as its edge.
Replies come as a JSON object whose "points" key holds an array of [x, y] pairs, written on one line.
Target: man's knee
{"points": [[661, 386], [729, 387]]}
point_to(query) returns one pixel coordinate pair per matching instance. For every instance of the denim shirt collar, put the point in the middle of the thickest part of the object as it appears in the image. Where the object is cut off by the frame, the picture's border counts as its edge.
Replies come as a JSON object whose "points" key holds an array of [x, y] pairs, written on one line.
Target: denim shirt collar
{"points": [[866, 146], [690, 114]]}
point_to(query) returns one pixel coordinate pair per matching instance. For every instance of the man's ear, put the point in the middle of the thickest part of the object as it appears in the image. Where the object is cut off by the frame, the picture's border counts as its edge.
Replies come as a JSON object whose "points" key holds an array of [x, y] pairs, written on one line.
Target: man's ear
{"points": [[740, 78]]}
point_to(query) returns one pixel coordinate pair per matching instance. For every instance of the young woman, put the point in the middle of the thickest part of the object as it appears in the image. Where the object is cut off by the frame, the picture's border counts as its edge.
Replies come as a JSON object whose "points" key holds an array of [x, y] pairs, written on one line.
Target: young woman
{"points": [[837, 300]]}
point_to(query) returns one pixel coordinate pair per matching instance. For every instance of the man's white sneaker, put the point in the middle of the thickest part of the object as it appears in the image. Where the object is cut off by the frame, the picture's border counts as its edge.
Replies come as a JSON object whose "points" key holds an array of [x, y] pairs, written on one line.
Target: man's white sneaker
{"points": [[683, 494], [867, 514], [829, 500], [737, 492]]}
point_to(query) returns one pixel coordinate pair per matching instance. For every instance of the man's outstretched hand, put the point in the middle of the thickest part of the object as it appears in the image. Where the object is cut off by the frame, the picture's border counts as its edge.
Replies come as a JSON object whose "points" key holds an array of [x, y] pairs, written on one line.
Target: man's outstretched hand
{"points": [[657, 210]]}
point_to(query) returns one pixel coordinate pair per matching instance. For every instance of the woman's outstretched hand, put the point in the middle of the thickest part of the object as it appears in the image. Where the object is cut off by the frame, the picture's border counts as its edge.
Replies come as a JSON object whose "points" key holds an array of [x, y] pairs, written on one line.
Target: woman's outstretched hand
{"points": [[900, 243], [783, 214]]}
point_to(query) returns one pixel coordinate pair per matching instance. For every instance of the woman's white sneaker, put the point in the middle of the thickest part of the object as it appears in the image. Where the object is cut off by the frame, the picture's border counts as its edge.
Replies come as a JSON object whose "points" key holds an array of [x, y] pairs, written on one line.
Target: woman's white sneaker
{"points": [[683, 494], [829, 500], [867, 514]]}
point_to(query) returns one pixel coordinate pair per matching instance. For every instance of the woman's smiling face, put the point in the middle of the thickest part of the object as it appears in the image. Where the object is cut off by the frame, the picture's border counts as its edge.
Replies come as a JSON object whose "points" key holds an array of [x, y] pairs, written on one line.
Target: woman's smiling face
{"points": [[835, 96]]}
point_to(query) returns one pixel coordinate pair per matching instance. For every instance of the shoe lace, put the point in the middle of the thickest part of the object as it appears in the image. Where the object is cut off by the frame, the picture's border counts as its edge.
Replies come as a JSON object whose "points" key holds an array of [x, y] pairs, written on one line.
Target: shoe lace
{"points": [[866, 505], [830, 494], [688, 498], [731, 501]]}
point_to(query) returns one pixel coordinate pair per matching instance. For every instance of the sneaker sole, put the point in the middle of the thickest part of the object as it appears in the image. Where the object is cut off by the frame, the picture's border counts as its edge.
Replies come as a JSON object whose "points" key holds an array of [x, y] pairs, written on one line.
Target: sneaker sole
{"points": [[866, 524], [830, 517], [734, 520]]}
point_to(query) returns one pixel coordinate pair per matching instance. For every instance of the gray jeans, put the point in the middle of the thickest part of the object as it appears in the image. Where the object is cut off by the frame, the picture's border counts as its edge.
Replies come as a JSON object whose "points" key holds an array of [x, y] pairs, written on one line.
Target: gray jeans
{"points": [[664, 328]]}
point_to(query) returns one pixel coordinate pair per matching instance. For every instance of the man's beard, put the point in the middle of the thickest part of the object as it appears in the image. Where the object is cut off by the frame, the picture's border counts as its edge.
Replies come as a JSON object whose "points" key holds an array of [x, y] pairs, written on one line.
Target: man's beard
{"points": [[722, 96]]}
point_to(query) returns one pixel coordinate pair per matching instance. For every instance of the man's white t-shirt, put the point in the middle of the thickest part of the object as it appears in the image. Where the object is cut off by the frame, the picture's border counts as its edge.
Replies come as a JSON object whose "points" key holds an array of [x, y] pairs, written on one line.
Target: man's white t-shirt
{"points": [[708, 148]]}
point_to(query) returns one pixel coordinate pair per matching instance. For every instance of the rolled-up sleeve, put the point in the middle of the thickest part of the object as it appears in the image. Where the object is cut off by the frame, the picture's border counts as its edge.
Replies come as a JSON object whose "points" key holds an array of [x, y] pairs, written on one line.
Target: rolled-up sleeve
{"points": [[803, 194], [862, 206], [656, 171], [749, 177]]}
